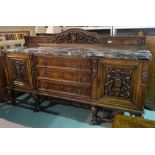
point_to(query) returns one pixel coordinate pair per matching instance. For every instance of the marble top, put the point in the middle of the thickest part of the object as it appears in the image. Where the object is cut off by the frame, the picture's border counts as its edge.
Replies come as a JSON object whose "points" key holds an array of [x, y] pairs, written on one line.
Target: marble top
{"points": [[121, 52]]}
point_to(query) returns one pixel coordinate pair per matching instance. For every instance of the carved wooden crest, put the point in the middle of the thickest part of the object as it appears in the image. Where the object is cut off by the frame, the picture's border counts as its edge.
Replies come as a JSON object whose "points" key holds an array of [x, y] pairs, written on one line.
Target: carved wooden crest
{"points": [[77, 36]]}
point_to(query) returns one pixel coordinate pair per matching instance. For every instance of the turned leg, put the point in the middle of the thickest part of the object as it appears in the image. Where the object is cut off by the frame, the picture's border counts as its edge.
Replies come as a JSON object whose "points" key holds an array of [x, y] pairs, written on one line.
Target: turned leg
{"points": [[94, 115], [107, 117], [37, 103], [139, 115], [12, 98]]}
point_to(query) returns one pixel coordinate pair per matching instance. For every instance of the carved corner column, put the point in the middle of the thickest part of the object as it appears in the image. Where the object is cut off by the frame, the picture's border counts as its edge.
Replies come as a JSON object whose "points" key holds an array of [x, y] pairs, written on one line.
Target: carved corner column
{"points": [[94, 77], [94, 109], [144, 80], [32, 64], [34, 83]]}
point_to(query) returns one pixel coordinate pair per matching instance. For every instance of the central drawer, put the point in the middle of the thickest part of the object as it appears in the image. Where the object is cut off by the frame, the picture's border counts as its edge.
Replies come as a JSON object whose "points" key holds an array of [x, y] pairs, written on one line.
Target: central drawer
{"points": [[64, 87], [66, 62], [64, 74]]}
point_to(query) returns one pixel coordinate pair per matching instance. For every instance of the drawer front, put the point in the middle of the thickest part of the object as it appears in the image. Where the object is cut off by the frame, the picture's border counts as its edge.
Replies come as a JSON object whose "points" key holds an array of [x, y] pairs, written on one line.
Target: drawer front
{"points": [[77, 63], [64, 88], [75, 76]]}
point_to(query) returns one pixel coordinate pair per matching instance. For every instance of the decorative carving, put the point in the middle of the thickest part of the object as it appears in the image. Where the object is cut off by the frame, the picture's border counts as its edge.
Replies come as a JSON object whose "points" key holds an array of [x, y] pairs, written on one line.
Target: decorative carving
{"points": [[32, 63], [19, 70], [94, 68], [144, 77], [118, 82], [77, 36]]}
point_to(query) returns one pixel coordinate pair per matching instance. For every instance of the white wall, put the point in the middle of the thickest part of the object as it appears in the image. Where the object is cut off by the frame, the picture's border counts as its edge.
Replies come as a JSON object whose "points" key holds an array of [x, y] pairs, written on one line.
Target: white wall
{"points": [[49, 30]]}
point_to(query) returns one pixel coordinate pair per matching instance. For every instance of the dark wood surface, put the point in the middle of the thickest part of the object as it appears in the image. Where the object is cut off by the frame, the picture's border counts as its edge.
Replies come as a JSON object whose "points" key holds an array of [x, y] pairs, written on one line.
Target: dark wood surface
{"points": [[3, 91], [80, 36], [115, 84]]}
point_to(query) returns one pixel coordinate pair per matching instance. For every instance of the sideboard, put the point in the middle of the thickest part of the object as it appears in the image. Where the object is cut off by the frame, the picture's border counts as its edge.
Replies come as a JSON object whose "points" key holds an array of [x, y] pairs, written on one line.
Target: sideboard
{"points": [[83, 67]]}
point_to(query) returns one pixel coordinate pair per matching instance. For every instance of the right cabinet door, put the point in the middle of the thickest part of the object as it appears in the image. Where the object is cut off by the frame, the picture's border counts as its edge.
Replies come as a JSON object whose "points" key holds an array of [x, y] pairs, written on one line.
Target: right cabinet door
{"points": [[121, 83]]}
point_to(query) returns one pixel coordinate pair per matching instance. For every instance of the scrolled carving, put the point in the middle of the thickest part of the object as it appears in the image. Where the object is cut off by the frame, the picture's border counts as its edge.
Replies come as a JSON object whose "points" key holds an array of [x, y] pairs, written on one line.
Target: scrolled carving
{"points": [[19, 70], [77, 36], [118, 82]]}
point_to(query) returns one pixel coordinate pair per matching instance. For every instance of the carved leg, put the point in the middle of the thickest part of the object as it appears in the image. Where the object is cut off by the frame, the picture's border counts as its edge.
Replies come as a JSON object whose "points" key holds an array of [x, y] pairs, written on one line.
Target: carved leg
{"points": [[94, 115], [37, 103], [12, 99], [106, 117], [132, 115], [139, 115]]}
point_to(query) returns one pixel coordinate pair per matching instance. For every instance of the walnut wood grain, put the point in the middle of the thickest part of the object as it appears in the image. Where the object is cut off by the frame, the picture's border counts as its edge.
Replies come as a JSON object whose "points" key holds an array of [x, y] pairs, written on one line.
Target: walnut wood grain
{"points": [[114, 83], [80, 36]]}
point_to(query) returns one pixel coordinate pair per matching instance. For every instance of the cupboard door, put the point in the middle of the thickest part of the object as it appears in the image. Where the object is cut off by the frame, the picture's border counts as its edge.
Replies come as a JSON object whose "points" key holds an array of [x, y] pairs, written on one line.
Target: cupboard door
{"points": [[121, 83], [19, 71], [150, 94]]}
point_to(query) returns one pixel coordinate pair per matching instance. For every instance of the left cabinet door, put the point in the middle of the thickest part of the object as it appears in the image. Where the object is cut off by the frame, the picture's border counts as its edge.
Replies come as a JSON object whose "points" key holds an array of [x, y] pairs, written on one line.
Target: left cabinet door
{"points": [[19, 72]]}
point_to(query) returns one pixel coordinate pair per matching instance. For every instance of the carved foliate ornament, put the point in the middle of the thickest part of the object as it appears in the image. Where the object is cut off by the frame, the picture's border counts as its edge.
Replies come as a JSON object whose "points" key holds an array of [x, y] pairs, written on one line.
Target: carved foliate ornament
{"points": [[144, 77], [94, 68], [19, 70], [77, 36], [118, 82]]}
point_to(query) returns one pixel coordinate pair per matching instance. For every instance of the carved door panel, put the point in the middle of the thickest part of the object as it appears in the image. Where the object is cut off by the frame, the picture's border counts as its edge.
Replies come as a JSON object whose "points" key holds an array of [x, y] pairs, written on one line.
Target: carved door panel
{"points": [[120, 83], [19, 71]]}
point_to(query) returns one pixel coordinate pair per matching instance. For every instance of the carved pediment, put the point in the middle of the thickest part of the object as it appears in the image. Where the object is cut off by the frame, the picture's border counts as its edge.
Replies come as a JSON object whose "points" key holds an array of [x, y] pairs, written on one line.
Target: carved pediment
{"points": [[77, 36]]}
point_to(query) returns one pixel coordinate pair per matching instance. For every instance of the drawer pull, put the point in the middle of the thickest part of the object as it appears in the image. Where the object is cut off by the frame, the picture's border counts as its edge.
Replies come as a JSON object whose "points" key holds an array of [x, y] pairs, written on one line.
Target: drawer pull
{"points": [[46, 86], [37, 73], [87, 65], [78, 66], [79, 79], [61, 87], [61, 61], [87, 79], [45, 63], [45, 71], [36, 61], [79, 91]]}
